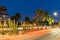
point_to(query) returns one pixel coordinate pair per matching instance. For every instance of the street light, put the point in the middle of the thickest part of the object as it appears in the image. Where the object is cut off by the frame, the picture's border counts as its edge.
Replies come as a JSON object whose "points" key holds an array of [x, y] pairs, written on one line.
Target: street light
{"points": [[55, 13]]}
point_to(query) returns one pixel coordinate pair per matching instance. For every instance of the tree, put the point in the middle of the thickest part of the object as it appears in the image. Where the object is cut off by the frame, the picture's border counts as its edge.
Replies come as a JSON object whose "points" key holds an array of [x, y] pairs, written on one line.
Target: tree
{"points": [[45, 18], [41, 16], [13, 18], [46, 14], [27, 19], [51, 20], [2, 9], [15, 21], [17, 16], [40, 13]]}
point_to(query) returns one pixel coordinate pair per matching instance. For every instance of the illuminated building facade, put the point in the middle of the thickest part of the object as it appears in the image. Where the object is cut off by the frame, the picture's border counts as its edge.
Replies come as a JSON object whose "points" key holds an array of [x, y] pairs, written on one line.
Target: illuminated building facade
{"points": [[3, 16]]}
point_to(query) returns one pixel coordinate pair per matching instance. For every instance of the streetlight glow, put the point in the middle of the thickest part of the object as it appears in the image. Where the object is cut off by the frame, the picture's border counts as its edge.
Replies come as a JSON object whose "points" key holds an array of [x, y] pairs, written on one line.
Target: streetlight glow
{"points": [[55, 14]]}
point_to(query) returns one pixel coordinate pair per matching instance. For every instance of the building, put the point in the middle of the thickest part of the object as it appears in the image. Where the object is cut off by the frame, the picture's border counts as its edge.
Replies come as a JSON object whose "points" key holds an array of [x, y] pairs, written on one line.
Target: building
{"points": [[3, 16]]}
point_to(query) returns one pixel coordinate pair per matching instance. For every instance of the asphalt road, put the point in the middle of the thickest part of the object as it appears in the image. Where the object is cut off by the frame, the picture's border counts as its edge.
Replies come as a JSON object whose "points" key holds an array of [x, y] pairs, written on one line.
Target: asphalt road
{"points": [[47, 34], [53, 35], [27, 36]]}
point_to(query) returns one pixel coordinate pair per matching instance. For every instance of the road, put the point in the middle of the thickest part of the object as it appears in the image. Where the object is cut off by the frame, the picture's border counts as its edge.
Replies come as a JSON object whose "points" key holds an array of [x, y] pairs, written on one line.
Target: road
{"points": [[27, 36], [53, 35], [46, 34]]}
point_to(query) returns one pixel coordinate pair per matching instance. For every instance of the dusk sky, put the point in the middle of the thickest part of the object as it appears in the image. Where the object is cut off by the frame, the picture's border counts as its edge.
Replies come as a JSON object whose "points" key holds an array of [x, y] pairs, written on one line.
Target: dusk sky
{"points": [[29, 7]]}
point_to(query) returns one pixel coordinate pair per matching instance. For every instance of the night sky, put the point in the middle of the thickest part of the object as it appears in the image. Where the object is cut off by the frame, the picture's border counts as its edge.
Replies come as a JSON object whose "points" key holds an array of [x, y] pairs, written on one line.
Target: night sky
{"points": [[29, 7]]}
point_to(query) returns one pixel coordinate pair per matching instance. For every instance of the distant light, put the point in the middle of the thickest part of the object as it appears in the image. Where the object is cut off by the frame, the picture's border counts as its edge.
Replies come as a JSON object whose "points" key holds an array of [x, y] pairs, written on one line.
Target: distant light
{"points": [[55, 14]]}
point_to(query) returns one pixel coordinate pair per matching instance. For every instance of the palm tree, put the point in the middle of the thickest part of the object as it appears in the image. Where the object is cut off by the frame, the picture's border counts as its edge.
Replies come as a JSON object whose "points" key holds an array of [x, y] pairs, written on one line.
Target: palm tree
{"points": [[27, 19], [46, 15], [45, 18], [27, 22], [40, 15], [15, 20], [51, 20], [18, 16]]}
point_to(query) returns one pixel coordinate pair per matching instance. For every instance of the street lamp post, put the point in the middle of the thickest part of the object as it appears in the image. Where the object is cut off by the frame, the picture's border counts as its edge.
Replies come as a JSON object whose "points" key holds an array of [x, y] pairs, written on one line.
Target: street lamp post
{"points": [[55, 15]]}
